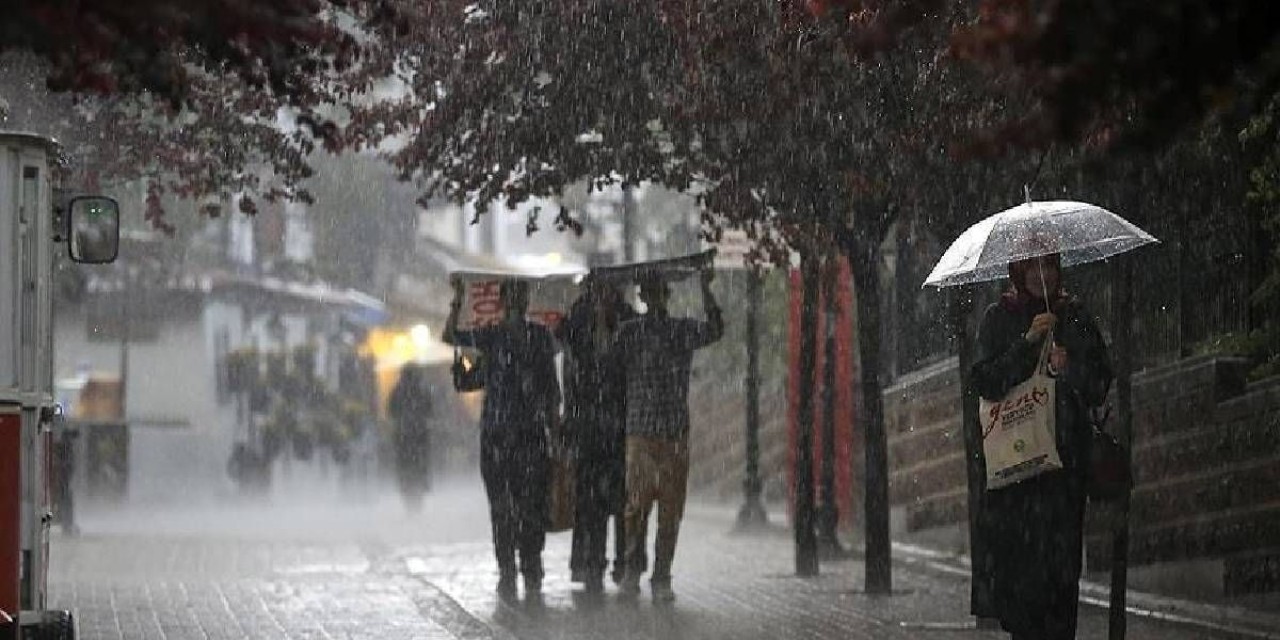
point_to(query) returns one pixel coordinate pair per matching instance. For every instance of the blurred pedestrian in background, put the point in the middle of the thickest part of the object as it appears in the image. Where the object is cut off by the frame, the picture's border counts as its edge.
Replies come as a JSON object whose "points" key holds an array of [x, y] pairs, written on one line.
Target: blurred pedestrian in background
{"points": [[410, 408]]}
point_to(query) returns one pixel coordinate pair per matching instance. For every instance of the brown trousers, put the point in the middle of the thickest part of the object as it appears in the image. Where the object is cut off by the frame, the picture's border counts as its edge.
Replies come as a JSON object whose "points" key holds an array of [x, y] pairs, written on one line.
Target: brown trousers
{"points": [[657, 471]]}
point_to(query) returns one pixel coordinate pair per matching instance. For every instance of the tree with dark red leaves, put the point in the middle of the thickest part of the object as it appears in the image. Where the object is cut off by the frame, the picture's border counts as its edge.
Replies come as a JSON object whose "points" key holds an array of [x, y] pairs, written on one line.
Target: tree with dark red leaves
{"points": [[1104, 72], [190, 96], [131, 46]]}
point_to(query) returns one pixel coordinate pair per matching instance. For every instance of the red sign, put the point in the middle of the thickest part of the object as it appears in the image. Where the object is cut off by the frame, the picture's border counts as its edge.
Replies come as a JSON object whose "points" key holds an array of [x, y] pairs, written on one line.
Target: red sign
{"points": [[10, 507], [549, 299]]}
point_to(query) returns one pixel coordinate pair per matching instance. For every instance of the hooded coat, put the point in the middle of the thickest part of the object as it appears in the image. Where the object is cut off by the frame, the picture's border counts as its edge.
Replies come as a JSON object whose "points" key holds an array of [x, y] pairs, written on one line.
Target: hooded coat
{"points": [[1033, 530]]}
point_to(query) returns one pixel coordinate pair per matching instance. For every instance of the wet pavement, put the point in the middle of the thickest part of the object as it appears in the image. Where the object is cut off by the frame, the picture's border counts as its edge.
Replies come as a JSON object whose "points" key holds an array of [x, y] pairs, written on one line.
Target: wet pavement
{"points": [[272, 571]]}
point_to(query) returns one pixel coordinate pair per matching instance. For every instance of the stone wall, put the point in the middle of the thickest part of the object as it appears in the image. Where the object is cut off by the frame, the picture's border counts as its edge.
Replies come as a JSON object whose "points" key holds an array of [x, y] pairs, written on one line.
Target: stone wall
{"points": [[1207, 468], [926, 447], [1206, 465]]}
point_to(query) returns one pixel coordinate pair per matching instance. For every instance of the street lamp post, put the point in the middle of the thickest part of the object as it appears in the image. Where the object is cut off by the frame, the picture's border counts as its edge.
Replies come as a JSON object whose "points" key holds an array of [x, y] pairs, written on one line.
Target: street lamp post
{"points": [[752, 515]]}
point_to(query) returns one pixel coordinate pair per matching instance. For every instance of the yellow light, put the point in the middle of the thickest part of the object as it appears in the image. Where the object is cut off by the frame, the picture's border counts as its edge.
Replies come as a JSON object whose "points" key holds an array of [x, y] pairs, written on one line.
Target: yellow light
{"points": [[393, 348]]}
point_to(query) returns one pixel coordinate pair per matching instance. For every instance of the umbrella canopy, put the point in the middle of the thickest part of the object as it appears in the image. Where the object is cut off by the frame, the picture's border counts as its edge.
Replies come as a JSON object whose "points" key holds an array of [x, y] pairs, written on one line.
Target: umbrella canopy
{"points": [[1080, 232]]}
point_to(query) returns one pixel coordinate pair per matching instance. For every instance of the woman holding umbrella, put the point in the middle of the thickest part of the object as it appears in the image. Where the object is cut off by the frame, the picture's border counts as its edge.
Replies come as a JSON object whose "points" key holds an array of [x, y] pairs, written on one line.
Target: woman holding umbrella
{"points": [[1028, 535], [1034, 528]]}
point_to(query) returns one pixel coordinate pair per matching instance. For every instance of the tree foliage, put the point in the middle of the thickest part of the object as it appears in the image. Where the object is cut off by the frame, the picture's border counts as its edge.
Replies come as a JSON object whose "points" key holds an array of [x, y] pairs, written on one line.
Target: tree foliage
{"points": [[1109, 72], [160, 47], [199, 98], [507, 100], [782, 113], [779, 114]]}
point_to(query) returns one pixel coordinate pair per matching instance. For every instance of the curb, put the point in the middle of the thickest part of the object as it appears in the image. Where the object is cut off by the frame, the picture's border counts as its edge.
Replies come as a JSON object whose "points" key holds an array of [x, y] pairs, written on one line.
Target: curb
{"points": [[1234, 621], [1229, 620]]}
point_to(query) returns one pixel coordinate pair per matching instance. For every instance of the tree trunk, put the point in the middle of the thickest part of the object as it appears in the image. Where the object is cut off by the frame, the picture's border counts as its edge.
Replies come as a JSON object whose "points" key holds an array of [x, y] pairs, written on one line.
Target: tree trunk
{"points": [[865, 262], [806, 538], [828, 516]]}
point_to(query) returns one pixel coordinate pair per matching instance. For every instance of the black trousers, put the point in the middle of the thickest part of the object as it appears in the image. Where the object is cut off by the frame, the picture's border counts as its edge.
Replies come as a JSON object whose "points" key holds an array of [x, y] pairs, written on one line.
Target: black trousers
{"points": [[413, 454], [513, 463], [598, 491], [601, 494]]}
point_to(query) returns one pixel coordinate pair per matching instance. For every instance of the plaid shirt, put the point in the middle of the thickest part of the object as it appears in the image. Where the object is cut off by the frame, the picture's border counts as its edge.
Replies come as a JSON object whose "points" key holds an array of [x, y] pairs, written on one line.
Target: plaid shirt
{"points": [[658, 355]]}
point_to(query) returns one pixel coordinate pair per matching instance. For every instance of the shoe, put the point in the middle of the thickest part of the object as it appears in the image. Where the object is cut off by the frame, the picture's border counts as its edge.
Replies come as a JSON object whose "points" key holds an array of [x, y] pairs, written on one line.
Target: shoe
{"points": [[662, 592], [594, 584], [578, 576], [533, 585], [507, 588], [629, 588], [619, 572]]}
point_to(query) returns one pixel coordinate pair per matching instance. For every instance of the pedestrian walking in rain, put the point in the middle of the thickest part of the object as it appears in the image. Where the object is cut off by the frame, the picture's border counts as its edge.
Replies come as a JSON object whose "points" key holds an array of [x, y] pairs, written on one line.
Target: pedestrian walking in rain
{"points": [[1034, 528], [410, 409], [522, 398], [595, 414], [657, 352]]}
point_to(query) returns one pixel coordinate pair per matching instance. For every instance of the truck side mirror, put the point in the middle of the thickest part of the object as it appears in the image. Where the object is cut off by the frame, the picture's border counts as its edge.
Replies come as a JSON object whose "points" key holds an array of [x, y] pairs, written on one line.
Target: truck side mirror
{"points": [[93, 224]]}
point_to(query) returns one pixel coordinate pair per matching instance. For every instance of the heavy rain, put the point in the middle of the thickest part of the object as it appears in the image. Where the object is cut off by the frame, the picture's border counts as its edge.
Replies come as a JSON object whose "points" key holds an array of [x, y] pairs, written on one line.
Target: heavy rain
{"points": [[577, 319]]}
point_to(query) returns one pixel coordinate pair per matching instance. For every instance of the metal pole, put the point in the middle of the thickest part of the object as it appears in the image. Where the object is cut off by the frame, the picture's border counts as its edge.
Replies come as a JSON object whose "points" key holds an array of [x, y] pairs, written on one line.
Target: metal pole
{"points": [[806, 539], [961, 300], [1122, 348], [752, 515], [125, 300]]}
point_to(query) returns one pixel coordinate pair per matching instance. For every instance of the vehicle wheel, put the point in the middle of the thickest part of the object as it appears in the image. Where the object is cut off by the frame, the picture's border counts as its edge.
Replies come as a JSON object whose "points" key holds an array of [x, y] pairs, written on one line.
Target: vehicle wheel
{"points": [[57, 625]]}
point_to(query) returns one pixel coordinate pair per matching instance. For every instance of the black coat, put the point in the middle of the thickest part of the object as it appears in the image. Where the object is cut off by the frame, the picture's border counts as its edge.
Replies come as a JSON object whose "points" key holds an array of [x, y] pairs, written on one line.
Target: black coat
{"points": [[1033, 530], [411, 408], [595, 383], [595, 409]]}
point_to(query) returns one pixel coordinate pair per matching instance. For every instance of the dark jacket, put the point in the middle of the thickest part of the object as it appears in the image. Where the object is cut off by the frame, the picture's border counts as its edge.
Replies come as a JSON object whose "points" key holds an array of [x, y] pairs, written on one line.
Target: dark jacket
{"points": [[410, 407], [410, 404], [1033, 530], [522, 394], [595, 382]]}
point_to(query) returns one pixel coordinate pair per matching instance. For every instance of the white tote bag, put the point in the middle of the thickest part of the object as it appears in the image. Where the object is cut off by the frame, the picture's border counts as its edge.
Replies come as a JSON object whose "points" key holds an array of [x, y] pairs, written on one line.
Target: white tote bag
{"points": [[1019, 432]]}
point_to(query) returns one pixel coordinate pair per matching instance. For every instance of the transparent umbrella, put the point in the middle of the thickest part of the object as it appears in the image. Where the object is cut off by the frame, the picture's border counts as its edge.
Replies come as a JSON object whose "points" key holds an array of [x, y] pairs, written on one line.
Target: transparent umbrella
{"points": [[1078, 231]]}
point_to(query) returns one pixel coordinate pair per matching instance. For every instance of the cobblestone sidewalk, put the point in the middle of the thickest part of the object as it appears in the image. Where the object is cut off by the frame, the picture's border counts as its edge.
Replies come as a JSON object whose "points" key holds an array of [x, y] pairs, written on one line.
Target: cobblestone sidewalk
{"points": [[734, 587], [371, 573]]}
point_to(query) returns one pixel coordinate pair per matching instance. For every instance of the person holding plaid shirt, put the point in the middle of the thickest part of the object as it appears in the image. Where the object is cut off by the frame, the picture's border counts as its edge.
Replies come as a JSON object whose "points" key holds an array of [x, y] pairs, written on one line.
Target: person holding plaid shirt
{"points": [[657, 352]]}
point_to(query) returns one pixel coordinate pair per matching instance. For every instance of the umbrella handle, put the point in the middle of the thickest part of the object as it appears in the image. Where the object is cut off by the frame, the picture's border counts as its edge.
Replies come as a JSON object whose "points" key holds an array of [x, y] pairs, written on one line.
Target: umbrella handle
{"points": [[1043, 365], [1044, 288]]}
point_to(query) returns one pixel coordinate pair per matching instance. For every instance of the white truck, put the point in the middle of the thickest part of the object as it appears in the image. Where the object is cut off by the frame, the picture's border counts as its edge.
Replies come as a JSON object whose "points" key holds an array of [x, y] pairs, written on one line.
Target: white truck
{"points": [[33, 226]]}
